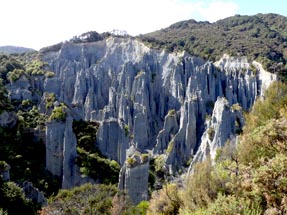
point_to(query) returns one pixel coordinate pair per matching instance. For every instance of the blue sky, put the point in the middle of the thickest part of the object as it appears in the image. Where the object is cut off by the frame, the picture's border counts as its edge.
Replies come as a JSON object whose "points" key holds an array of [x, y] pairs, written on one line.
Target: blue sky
{"points": [[250, 7], [39, 23]]}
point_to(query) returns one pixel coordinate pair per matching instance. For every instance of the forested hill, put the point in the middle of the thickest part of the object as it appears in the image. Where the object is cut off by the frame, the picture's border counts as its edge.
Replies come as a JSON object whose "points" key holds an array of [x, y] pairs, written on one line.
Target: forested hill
{"points": [[14, 49], [262, 37]]}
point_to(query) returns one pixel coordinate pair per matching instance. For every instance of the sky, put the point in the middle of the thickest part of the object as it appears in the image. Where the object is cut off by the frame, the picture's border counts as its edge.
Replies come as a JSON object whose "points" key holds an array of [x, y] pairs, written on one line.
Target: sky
{"points": [[39, 23]]}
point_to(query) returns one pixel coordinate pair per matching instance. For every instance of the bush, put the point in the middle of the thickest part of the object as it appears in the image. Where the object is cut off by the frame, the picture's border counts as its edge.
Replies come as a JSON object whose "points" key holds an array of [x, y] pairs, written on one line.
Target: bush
{"points": [[59, 114], [144, 158], [275, 98], [171, 112], [270, 182], [131, 162], [86, 199], [15, 75], [13, 200], [3, 165], [127, 130], [165, 201], [227, 205], [49, 74]]}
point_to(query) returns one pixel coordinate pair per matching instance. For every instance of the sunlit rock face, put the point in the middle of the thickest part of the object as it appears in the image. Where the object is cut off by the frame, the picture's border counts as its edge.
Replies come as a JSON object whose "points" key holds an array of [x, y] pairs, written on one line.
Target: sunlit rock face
{"points": [[150, 98]]}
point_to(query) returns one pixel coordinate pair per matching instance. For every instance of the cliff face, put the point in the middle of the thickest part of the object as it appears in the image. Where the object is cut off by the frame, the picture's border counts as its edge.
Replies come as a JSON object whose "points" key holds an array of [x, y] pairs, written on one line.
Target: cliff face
{"points": [[148, 98], [61, 153]]}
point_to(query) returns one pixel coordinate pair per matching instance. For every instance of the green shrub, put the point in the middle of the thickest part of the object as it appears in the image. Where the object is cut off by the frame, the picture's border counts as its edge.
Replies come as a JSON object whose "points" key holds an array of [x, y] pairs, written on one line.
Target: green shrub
{"points": [[131, 161], [171, 112], [26, 102], [3, 212], [165, 201], [227, 205], [127, 130], [3, 165], [144, 158], [59, 114], [15, 75], [50, 98], [85, 199], [90, 160], [159, 165], [13, 200], [49, 74]]}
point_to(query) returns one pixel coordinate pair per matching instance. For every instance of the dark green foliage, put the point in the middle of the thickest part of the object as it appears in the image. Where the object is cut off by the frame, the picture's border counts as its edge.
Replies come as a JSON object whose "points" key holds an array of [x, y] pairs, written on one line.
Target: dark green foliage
{"points": [[97, 166], [86, 199], [19, 146], [262, 37], [30, 117], [36, 67], [86, 133], [26, 156], [12, 200], [90, 159], [8, 64], [5, 104], [59, 113]]}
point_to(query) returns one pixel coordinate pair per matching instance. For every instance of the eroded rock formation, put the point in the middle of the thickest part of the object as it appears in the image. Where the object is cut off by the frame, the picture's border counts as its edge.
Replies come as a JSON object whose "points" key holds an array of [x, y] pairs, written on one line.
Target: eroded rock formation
{"points": [[148, 98]]}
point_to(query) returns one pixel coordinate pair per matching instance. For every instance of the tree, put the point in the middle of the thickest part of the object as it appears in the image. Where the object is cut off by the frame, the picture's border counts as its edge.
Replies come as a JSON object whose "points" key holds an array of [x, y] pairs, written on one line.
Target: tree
{"points": [[165, 201]]}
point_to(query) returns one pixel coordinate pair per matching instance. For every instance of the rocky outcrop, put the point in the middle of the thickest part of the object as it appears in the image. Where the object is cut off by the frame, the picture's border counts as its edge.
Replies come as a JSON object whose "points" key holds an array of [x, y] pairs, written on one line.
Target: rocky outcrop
{"points": [[33, 193], [225, 122], [149, 99], [20, 89], [8, 119], [134, 177], [113, 141], [61, 153]]}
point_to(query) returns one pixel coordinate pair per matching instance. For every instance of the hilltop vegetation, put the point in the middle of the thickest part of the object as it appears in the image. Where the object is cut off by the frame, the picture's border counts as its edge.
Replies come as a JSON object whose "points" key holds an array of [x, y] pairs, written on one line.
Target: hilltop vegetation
{"points": [[14, 50], [262, 37]]}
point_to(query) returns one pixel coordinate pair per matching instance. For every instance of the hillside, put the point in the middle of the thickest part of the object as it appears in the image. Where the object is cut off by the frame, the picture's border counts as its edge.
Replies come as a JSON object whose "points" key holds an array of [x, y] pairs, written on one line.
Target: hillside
{"points": [[262, 37], [14, 49], [160, 130]]}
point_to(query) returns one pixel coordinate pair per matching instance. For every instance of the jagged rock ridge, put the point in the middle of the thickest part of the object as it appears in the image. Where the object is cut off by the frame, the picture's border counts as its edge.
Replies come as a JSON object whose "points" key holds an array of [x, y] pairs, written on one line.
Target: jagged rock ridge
{"points": [[149, 99]]}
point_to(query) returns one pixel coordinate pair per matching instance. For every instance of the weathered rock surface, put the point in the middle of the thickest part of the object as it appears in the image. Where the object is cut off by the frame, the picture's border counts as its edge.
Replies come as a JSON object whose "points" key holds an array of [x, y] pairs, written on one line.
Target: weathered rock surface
{"points": [[33, 193], [134, 177], [223, 125], [20, 89], [8, 119], [131, 89], [61, 153]]}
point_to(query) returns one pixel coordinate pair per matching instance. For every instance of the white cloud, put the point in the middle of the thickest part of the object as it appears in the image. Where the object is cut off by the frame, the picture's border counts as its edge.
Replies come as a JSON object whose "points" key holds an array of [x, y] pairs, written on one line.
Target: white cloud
{"points": [[36, 24], [218, 10]]}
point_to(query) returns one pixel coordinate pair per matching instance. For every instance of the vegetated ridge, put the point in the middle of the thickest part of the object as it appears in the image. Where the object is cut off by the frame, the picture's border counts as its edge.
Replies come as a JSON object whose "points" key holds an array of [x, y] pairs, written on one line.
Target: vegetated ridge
{"points": [[262, 37], [14, 49], [99, 94]]}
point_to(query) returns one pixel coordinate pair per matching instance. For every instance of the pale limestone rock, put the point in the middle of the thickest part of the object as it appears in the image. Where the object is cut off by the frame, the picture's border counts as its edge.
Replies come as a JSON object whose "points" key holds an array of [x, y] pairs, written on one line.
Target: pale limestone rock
{"points": [[222, 126], [61, 153], [20, 89], [130, 88], [8, 119], [134, 178]]}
